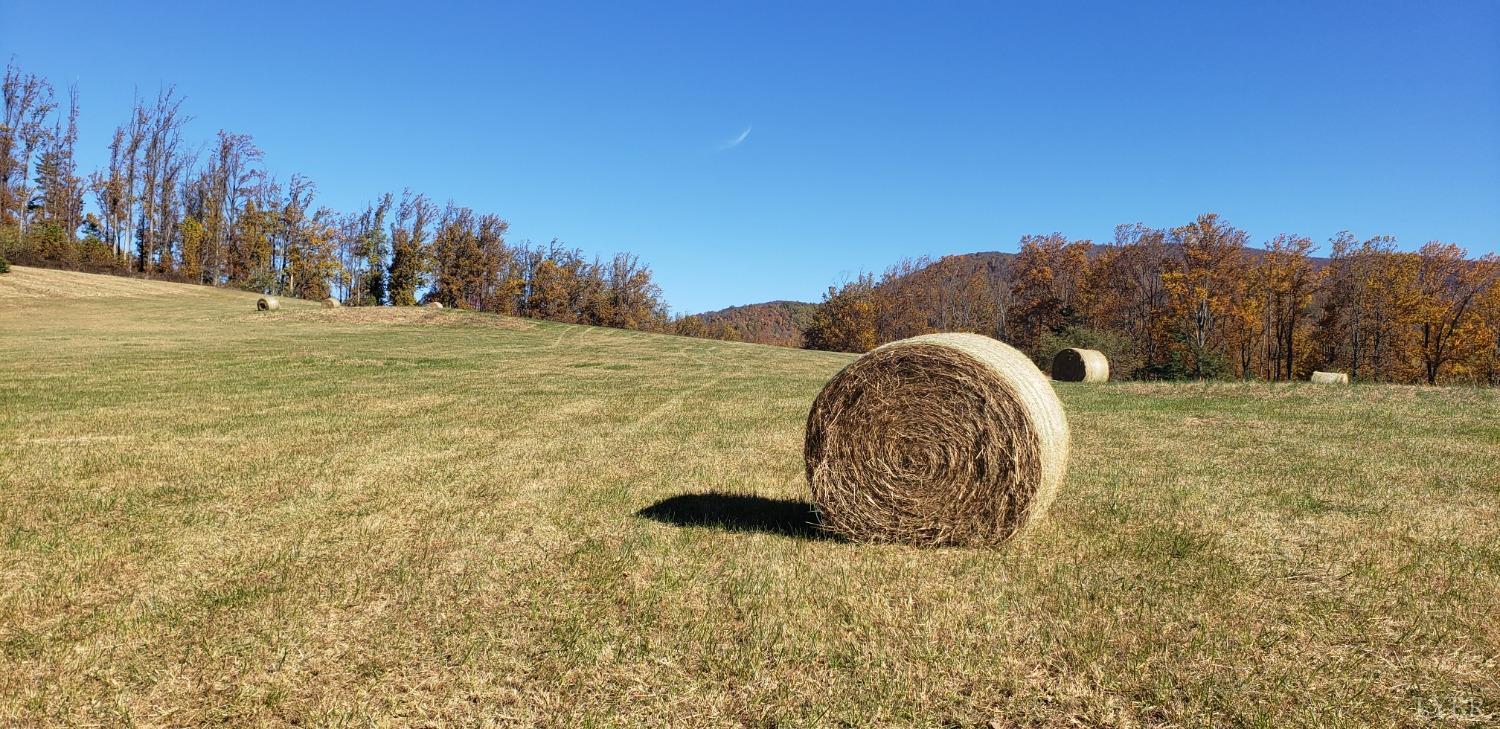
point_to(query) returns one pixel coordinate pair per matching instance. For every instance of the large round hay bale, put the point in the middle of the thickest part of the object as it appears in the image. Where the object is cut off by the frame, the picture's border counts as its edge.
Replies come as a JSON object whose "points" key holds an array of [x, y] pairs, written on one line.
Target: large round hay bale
{"points": [[1329, 378], [267, 303], [331, 303], [435, 305], [942, 439], [1080, 365]]}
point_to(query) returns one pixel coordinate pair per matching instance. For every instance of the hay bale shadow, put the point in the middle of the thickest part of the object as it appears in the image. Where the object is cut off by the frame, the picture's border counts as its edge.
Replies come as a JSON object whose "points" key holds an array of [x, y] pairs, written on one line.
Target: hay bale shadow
{"points": [[739, 513]]}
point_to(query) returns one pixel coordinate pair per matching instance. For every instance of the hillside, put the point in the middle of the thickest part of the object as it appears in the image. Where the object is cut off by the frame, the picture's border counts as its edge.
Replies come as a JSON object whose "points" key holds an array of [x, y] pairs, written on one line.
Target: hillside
{"points": [[783, 323], [772, 322], [405, 516], [38, 287]]}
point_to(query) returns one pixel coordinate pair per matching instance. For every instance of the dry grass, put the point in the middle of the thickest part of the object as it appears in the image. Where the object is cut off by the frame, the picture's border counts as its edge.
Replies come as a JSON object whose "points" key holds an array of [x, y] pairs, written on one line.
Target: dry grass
{"points": [[422, 316], [216, 517], [24, 285]]}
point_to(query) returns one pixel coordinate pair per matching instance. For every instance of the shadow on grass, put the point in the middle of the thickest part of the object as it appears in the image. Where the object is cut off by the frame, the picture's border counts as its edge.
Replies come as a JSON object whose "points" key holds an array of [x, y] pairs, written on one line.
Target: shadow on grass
{"points": [[737, 513]]}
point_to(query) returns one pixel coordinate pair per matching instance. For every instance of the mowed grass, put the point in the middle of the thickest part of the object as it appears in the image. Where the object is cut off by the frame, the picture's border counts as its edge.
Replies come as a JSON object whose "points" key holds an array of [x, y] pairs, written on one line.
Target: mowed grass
{"points": [[210, 515]]}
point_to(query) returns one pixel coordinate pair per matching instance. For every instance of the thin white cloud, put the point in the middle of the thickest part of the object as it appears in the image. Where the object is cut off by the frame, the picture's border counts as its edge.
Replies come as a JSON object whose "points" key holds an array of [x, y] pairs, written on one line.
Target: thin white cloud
{"points": [[731, 144]]}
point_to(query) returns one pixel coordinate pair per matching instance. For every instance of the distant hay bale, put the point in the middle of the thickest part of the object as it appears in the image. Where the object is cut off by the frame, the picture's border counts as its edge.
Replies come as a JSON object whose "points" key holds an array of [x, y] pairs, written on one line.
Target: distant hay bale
{"points": [[1329, 378], [331, 303], [942, 439], [1080, 365], [267, 303], [434, 304]]}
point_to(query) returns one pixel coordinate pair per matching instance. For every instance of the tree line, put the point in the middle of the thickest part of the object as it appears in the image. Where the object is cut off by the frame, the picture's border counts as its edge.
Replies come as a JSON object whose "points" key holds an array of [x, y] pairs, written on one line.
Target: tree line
{"points": [[1194, 301], [1198, 301], [213, 214]]}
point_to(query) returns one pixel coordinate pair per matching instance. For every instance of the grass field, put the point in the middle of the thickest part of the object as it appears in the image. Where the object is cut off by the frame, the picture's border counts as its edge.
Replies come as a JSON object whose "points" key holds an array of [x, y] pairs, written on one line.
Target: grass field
{"points": [[407, 517]]}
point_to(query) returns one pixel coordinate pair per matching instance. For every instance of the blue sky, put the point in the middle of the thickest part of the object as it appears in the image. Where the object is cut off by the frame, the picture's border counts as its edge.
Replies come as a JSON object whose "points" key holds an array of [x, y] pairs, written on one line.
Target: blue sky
{"points": [[876, 131]]}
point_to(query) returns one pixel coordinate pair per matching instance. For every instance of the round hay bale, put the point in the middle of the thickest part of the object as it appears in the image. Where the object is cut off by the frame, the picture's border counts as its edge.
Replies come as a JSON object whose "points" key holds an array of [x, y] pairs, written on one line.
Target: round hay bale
{"points": [[267, 303], [331, 303], [434, 304], [1080, 365], [942, 439], [1329, 378]]}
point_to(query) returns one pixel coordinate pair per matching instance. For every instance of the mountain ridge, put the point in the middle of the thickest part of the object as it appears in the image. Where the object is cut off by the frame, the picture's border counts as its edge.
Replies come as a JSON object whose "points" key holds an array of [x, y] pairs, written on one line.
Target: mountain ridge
{"points": [[784, 321]]}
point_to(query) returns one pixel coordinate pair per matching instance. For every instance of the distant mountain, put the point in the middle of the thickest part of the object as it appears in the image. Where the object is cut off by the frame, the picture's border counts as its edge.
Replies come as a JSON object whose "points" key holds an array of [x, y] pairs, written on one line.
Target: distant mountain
{"points": [[783, 322], [771, 322]]}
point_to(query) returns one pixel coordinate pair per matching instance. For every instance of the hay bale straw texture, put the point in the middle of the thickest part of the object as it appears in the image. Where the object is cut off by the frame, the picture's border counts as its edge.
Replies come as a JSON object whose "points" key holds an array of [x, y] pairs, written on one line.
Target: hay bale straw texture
{"points": [[1329, 378], [435, 305], [937, 440], [1080, 365], [267, 303], [331, 303]]}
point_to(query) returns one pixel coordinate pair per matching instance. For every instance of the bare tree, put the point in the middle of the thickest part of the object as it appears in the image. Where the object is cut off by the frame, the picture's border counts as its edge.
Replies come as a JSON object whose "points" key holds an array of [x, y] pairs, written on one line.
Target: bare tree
{"points": [[157, 167], [28, 101]]}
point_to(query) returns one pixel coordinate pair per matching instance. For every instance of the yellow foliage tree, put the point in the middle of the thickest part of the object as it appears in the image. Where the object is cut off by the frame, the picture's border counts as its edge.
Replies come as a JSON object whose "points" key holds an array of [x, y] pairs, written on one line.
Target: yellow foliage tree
{"points": [[1447, 313], [1206, 291]]}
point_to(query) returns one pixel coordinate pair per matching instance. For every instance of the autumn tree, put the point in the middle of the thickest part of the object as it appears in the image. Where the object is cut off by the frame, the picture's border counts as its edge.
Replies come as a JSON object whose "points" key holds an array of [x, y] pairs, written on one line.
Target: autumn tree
{"points": [[952, 294], [900, 300], [966, 298], [690, 326], [846, 320], [1349, 325], [461, 266], [1205, 291], [154, 172], [554, 287], [250, 258], [59, 188], [409, 248], [364, 247], [1126, 294], [28, 100], [304, 243], [504, 280], [1284, 283], [1447, 313], [232, 176], [1487, 360], [1047, 280], [631, 299], [193, 246]]}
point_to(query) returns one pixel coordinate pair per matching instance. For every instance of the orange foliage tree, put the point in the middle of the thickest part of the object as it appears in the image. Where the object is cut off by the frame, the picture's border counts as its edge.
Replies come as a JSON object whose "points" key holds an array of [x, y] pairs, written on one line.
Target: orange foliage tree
{"points": [[846, 320], [1206, 291], [1450, 289], [1284, 282], [1047, 283]]}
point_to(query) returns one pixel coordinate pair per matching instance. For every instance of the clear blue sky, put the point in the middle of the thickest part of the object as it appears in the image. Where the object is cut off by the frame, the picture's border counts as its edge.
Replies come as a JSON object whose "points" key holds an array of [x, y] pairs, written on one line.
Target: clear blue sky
{"points": [[876, 131]]}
